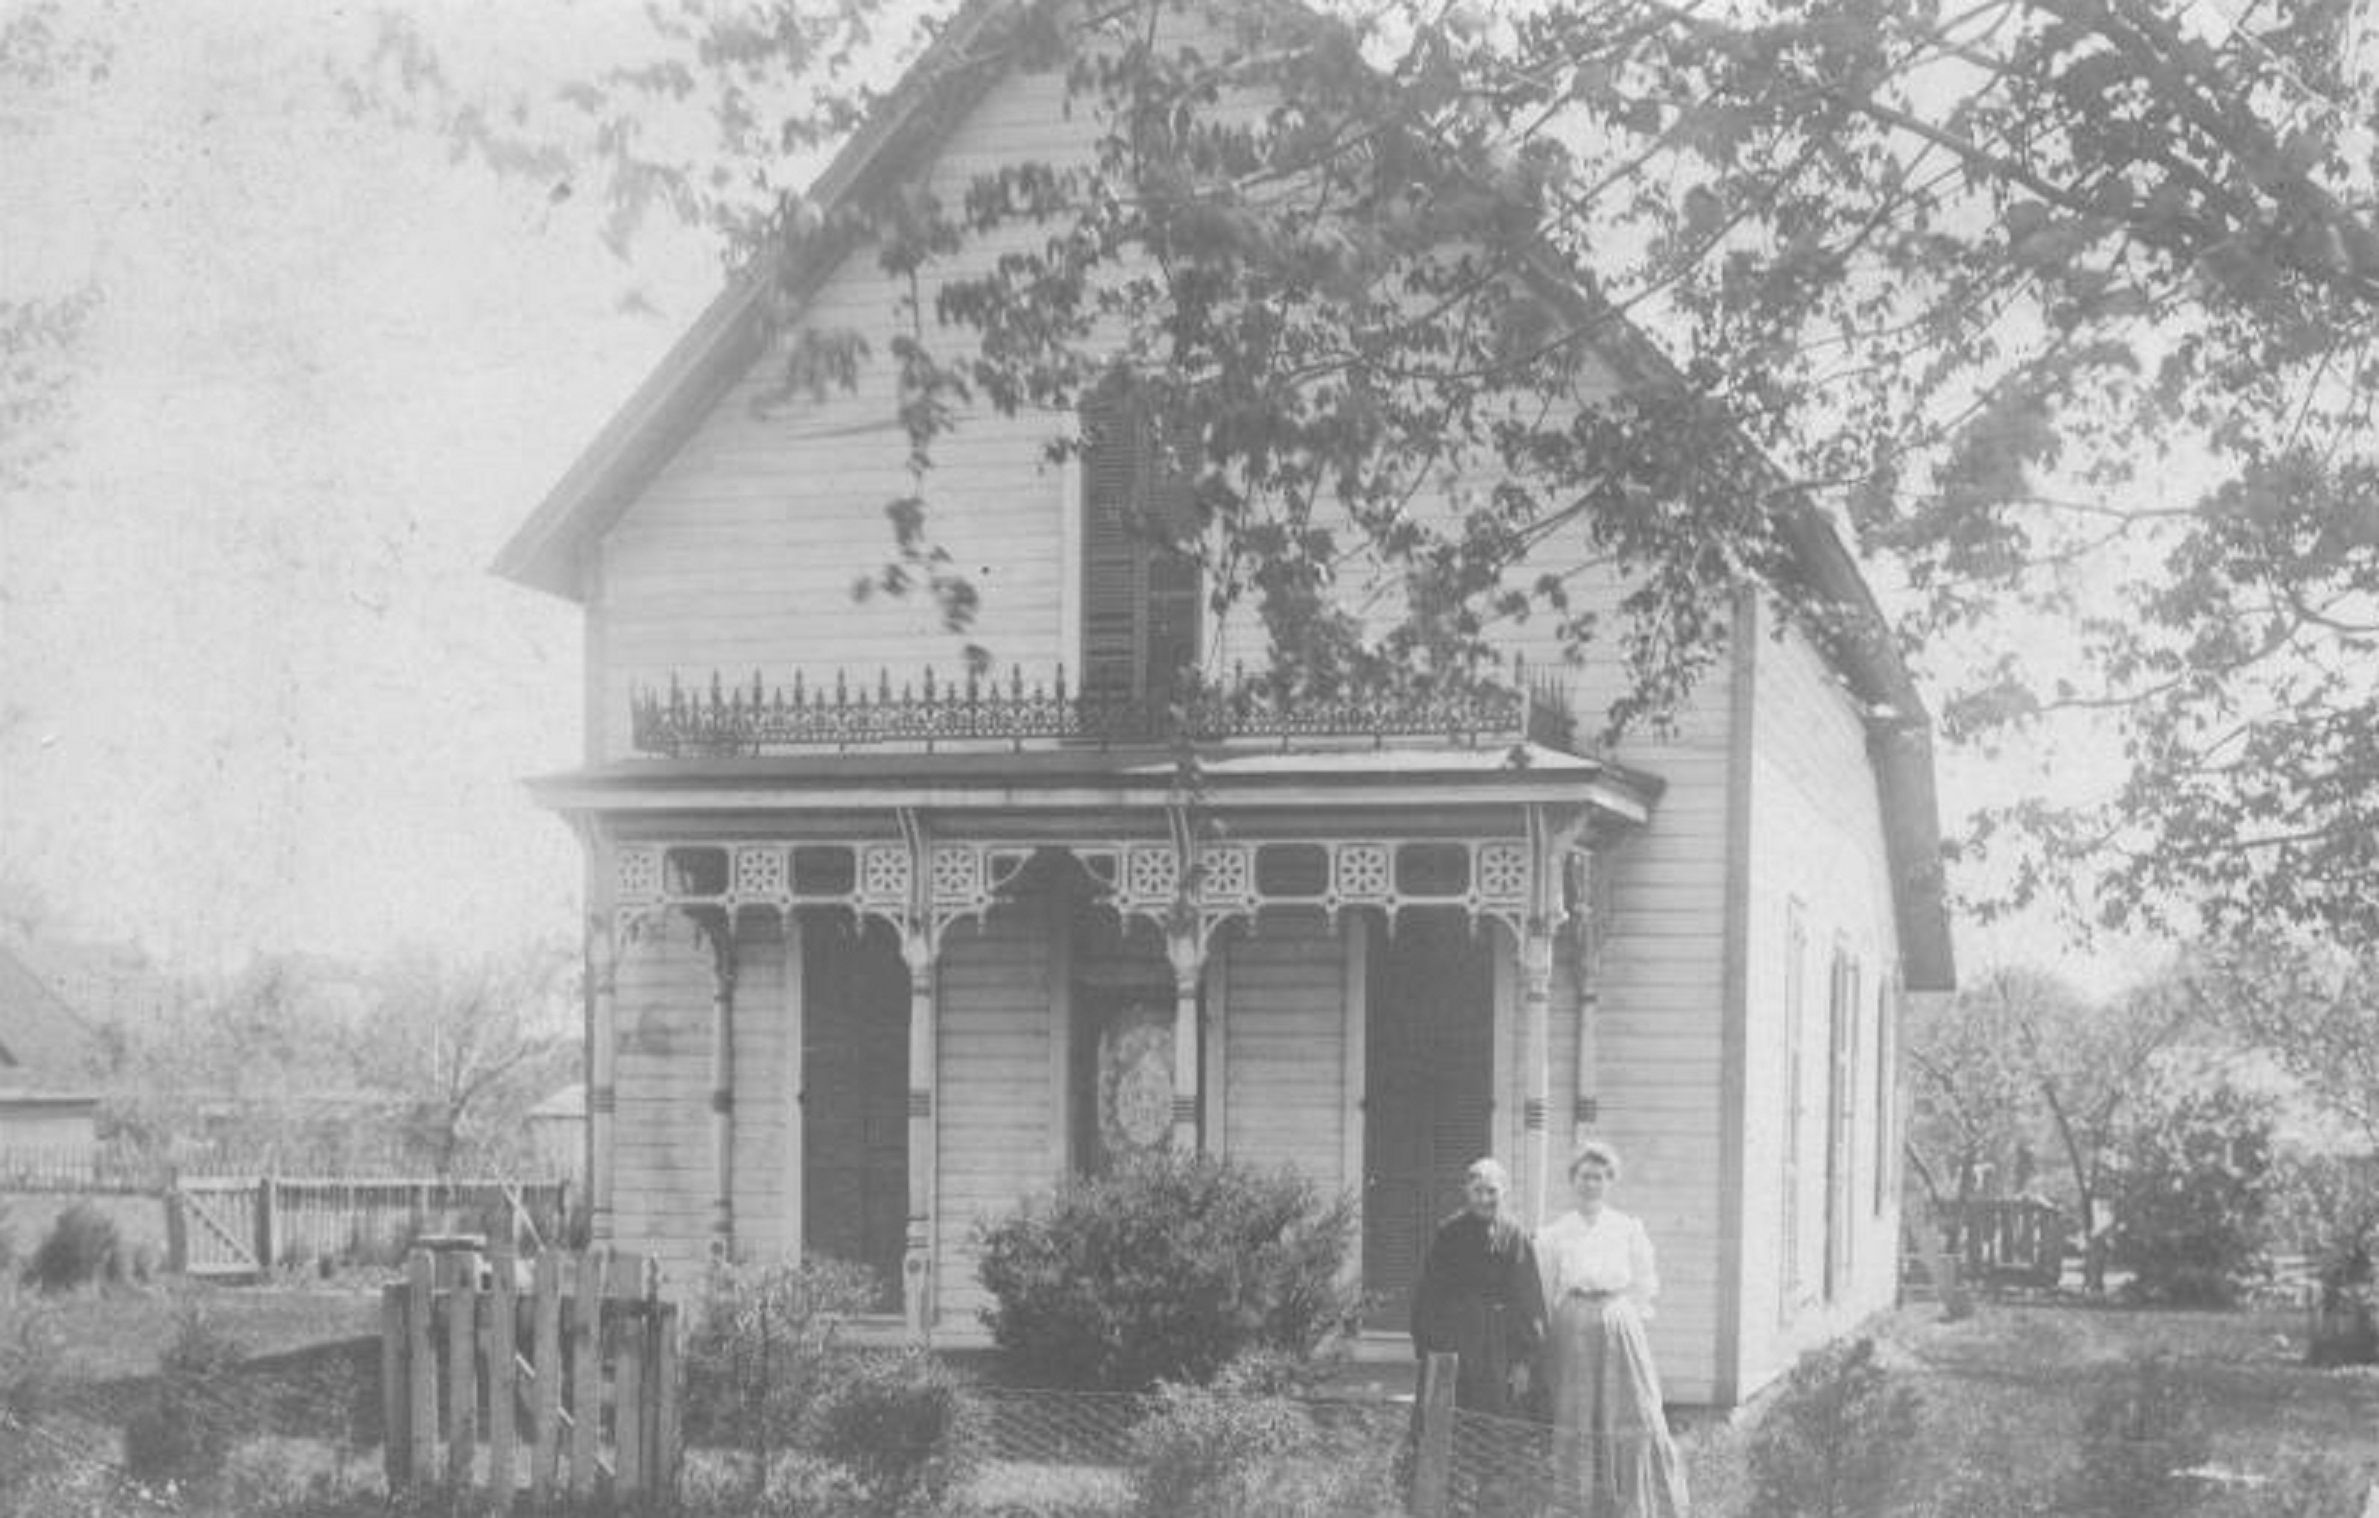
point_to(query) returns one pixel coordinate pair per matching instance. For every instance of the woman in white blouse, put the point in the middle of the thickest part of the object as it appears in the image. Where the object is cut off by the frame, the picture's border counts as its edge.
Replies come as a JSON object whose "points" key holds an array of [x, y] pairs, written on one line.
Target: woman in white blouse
{"points": [[1613, 1452]]}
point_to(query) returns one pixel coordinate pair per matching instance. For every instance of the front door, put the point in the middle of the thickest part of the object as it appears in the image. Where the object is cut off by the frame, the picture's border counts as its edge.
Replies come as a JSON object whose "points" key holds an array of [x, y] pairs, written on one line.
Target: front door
{"points": [[1428, 1107], [854, 1096]]}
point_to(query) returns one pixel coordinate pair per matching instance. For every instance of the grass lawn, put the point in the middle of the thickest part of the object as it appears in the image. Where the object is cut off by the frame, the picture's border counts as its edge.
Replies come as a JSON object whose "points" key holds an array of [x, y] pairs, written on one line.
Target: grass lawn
{"points": [[2005, 1394], [118, 1333]]}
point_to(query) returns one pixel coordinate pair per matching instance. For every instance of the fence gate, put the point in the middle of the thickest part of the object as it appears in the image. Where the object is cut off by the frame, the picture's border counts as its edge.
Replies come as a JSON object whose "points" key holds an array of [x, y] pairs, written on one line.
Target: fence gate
{"points": [[569, 1389], [212, 1227]]}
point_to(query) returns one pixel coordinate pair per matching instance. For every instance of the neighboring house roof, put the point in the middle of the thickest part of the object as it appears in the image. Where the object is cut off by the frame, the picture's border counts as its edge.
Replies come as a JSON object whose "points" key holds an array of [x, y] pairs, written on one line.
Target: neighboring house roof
{"points": [[548, 551], [105, 983], [45, 1046]]}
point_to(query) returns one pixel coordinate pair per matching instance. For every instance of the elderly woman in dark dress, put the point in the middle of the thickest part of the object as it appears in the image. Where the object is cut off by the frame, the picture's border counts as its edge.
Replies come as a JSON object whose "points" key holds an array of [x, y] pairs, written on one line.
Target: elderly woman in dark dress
{"points": [[1479, 1298]]}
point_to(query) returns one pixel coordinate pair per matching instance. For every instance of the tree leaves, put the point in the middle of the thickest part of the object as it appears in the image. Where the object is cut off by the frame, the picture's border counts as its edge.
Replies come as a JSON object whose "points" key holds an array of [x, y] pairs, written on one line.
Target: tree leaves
{"points": [[2061, 304]]}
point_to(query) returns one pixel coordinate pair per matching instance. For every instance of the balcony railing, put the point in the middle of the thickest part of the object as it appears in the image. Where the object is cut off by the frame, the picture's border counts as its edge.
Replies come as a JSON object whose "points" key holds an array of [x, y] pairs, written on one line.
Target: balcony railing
{"points": [[749, 719]]}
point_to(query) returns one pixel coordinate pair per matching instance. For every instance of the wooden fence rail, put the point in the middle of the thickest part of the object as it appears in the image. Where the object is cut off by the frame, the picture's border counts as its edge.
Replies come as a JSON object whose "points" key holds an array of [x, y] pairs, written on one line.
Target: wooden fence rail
{"points": [[246, 1226], [570, 1390], [110, 1168], [2008, 1240]]}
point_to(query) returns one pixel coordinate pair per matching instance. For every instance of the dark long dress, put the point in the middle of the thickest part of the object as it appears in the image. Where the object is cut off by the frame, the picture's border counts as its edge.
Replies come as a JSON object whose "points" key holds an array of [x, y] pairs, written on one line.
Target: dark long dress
{"points": [[1480, 1298]]}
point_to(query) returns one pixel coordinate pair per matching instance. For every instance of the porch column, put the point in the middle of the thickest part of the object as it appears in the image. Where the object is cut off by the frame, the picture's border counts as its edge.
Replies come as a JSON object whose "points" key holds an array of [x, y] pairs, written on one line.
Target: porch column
{"points": [[916, 1264], [1186, 949], [1550, 838], [1536, 1064], [1587, 924], [722, 1085], [601, 1093]]}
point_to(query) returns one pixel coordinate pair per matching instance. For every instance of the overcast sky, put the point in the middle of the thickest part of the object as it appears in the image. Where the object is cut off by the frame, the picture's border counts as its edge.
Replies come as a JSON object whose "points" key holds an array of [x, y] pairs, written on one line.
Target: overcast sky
{"points": [[258, 690]]}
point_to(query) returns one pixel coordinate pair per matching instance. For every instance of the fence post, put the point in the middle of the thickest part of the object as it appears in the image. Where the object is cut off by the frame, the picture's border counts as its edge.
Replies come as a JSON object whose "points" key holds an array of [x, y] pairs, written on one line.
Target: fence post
{"points": [[502, 1355], [586, 1372], [1433, 1461], [546, 1441], [421, 1372], [396, 1439], [462, 1382], [177, 1233], [666, 1370], [627, 1399], [266, 1253]]}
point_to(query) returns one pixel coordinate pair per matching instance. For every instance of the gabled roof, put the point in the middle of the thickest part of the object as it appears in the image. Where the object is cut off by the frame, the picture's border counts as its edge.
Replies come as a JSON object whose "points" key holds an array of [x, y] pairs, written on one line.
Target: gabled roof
{"points": [[545, 552], [45, 1045], [549, 550]]}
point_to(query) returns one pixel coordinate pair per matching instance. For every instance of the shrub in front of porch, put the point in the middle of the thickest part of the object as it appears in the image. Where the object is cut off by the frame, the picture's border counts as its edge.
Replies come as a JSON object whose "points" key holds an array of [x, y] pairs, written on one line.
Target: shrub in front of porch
{"points": [[1166, 1269]]}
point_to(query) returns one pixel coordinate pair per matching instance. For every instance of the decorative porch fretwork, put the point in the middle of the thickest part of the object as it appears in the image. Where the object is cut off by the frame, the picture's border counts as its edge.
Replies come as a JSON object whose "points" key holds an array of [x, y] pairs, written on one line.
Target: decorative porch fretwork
{"points": [[1490, 878]]}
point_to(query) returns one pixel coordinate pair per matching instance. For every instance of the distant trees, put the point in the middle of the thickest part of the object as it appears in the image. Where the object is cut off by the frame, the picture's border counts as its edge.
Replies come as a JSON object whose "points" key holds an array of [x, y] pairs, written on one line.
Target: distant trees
{"points": [[2020, 1064], [428, 1058], [468, 1045]]}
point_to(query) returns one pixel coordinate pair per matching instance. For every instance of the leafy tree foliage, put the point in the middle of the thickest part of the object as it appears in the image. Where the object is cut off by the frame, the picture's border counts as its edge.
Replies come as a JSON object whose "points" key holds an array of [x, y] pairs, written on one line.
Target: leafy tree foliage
{"points": [[1975, 1122], [42, 57], [2191, 1179], [2312, 1008], [427, 1059], [2057, 304], [2020, 1066]]}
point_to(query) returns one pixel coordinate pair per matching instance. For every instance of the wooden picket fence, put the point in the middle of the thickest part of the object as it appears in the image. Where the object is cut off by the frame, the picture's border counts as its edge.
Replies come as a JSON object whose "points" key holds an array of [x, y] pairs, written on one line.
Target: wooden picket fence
{"points": [[568, 1389]]}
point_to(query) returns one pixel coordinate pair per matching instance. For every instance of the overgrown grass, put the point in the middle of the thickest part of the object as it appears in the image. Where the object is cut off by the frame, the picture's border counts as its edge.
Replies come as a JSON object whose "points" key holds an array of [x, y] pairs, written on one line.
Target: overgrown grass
{"points": [[2012, 1399], [2005, 1401]]}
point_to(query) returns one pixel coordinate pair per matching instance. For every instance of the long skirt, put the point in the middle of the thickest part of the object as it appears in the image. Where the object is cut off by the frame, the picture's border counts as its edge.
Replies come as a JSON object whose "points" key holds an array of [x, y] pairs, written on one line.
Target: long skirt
{"points": [[1613, 1457]]}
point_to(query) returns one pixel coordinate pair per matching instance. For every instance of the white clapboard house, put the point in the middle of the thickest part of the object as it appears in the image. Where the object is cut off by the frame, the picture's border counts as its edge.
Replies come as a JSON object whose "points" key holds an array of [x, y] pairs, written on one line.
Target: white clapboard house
{"points": [[880, 953]]}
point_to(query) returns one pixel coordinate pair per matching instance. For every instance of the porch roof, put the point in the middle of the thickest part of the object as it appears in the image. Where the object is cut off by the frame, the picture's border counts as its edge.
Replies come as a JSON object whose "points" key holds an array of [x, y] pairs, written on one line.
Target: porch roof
{"points": [[1094, 778]]}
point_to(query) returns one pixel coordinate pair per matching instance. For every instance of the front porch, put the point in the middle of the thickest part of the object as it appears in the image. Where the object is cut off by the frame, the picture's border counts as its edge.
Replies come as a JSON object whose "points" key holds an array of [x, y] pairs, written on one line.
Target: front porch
{"points": [[851, 1001]]}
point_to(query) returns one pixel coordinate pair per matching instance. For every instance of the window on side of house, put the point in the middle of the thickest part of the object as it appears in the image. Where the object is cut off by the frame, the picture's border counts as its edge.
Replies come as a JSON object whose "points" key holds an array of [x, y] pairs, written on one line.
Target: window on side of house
{"points": [[1887, 1092], [1796, 1098], [1842, 1088]]}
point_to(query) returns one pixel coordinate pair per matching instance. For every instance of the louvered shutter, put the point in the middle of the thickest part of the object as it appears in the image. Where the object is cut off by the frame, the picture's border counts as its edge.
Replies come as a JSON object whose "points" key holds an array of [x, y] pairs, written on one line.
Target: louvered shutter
{"points": [[1111, 555], [1140, 595]]}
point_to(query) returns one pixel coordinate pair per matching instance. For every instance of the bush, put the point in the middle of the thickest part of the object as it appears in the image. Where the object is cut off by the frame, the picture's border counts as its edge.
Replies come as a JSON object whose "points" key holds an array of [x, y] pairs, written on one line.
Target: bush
{"points": [[2139, 1432], [901, 1424], [1165, 1270], [81, 1247], [1239, 1449], [1836, 1443], [185, 1430], [30, 1349], [759, 1338], [2327, 1208], [2190, 1181]]}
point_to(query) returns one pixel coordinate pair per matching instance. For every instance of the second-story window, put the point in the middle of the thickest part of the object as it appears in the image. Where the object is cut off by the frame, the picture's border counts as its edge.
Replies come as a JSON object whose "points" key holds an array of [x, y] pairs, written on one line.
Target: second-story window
{"points": [[1140, 582]]}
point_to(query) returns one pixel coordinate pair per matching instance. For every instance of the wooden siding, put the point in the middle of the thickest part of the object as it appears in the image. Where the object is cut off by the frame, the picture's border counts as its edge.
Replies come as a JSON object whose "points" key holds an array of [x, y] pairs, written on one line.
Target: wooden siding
{"points": [[1816, 841], [767, 1089], [995, 1107], [1660, 1020], [1284, 1067], [742, 553], [664, 1177]]}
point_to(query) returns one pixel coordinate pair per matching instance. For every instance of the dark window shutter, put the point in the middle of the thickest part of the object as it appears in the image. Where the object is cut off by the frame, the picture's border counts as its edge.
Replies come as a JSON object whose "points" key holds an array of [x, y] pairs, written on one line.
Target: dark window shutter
{"points": [[1140, 594]]}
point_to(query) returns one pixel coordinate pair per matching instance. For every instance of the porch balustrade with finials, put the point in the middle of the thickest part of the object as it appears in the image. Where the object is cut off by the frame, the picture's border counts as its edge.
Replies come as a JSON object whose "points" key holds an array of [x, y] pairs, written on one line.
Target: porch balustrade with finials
{"points": [[730, 720]]}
